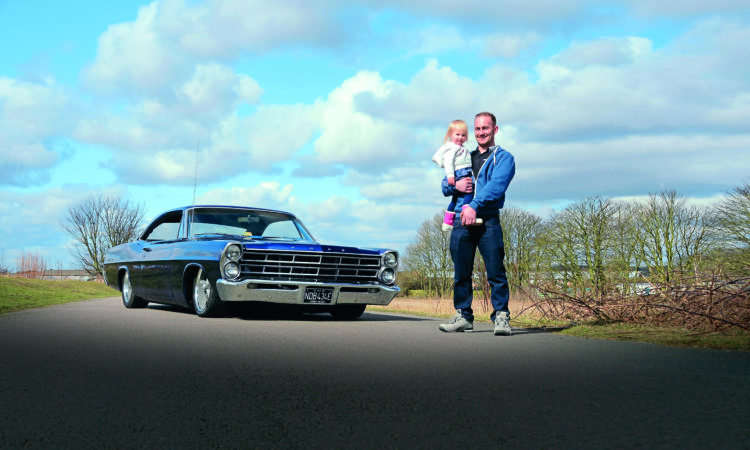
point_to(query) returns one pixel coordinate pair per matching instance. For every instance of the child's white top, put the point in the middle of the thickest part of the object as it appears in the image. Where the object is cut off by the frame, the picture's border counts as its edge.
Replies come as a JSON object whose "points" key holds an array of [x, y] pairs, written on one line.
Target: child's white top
{"points": [[452, 157]]}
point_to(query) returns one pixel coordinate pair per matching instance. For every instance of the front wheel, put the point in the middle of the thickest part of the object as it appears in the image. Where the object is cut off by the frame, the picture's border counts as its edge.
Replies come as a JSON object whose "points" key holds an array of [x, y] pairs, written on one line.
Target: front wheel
{"points": [[347, 312], [206, 302], [129, 299]]}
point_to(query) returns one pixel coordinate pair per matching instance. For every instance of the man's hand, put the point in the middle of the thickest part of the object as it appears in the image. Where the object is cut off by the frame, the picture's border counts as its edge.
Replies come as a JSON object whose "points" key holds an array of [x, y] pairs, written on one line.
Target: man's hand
{"points": [[465, 185], [451, 181], [468, 216]]}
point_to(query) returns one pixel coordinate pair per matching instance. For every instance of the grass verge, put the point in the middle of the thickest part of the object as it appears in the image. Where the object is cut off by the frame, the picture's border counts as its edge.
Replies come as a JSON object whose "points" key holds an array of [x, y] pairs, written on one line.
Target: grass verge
{"points": [[17, 294], [677, 337]]}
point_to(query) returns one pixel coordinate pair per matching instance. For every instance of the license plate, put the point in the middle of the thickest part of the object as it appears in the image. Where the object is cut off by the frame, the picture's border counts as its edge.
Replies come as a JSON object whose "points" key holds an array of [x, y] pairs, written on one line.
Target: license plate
{"points": [[318, 295]]}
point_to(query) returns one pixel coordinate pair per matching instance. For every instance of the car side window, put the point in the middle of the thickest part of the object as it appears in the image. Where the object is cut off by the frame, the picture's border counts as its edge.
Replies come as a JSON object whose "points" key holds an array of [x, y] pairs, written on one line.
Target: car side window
{"points": [[164, 232], [166, 229]]}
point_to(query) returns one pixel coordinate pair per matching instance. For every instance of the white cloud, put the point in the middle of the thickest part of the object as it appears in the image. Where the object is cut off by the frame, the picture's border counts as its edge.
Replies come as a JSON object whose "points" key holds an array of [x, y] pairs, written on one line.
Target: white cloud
{"points": [[434, 95], [267, 194], [223, 28], [509, 45], [234, 146], [508, 12], [216, 90], [431, 40], [416, 184], [604, 52], [613, 87], [135, 57], [690, 7], [691, 164], [31, 117], [354, 139], [31, 222]]}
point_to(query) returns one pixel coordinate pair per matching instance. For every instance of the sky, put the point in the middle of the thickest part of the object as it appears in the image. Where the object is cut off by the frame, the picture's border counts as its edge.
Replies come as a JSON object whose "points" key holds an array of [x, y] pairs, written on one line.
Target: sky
{"points": [[332, 110]]}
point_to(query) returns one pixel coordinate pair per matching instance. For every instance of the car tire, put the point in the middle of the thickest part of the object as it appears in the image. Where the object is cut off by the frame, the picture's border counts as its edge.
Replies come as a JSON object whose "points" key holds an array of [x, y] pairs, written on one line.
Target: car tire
{"points": [[347, 312], [206, 302], [129, 299]]}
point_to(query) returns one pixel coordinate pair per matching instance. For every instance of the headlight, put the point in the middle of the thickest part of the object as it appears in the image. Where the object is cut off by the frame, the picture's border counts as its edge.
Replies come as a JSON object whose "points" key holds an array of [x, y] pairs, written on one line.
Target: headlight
{"points": [[388, 276], [231, 270], [230, 261], [390, 259], [233, 252]]}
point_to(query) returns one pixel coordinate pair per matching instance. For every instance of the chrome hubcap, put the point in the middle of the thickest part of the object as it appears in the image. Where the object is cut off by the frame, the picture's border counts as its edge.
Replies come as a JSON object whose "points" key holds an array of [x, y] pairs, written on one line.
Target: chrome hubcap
{"points": [[201, 291], [126, 288]]}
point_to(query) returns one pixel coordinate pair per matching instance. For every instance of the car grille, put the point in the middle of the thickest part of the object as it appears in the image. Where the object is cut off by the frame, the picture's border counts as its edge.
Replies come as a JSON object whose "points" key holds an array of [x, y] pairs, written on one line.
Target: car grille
{"points": [[309, 266]]}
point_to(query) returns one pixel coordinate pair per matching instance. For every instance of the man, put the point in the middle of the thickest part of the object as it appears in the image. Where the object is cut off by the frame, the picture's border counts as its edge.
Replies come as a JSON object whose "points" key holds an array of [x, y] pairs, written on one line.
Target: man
{"points": [[493, 168]]}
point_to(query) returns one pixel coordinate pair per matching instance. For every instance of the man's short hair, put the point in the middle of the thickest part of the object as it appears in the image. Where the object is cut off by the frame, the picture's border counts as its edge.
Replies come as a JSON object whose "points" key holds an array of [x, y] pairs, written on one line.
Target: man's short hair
{"points": [[487, 114]]}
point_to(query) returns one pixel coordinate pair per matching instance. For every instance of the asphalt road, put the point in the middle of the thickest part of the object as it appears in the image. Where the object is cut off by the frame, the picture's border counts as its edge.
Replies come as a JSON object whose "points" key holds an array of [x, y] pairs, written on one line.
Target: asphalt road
{"points": [[95, 375]]}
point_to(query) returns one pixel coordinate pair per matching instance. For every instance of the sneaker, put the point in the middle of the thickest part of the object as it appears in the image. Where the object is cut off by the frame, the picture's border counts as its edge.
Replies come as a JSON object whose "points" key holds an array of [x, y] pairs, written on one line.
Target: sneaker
{"points": [[457, 324], [502, 324]]}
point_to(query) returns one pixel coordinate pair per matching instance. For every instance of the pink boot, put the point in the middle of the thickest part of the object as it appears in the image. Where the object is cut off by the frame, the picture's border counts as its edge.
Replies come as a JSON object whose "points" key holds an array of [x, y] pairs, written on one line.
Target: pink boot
{"points": [[448, 220]]}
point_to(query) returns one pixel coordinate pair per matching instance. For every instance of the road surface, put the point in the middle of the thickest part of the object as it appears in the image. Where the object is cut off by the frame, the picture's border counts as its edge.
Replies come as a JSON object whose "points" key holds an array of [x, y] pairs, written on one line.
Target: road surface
{"points": [[95, 375]]}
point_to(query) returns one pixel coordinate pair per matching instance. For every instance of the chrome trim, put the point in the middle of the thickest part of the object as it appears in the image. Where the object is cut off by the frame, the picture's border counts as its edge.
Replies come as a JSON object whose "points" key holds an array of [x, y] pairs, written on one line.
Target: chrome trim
{"points": [[225, 259], [395, 265], [310, 266], [380, 275], [293, 292]]}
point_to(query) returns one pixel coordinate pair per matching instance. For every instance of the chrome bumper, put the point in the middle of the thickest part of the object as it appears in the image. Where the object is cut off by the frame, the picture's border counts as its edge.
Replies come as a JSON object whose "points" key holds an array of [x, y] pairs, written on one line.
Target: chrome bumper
{"points": [[293, 293]]}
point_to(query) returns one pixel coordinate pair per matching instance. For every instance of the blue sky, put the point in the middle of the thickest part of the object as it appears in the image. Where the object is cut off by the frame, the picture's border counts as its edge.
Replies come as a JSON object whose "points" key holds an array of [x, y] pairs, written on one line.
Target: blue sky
{"points": [[332, 109]]}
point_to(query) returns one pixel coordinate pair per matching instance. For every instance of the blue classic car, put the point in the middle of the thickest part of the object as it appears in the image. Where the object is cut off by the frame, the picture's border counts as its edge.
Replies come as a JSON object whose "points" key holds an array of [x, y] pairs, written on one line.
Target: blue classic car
{"points": [[202, 256]]}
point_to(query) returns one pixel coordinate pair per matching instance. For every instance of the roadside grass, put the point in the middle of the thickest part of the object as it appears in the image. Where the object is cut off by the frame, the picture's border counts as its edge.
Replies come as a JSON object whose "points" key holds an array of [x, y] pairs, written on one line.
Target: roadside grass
{"points": [[677, 337], [17, 294]]}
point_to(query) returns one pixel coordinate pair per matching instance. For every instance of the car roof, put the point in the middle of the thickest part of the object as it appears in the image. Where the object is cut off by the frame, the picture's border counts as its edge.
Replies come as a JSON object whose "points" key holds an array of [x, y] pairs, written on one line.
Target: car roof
{"points": [[185, 208]]}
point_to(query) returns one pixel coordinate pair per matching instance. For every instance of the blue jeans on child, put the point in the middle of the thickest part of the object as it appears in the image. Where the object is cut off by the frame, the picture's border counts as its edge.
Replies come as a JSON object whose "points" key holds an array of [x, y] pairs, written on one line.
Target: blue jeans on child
{"points": [[465, 241], [458, 174]]}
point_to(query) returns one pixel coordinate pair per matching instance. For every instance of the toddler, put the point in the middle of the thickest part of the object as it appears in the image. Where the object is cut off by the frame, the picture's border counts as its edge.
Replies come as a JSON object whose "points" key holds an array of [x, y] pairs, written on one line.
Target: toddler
{"points": [[456, 161]]}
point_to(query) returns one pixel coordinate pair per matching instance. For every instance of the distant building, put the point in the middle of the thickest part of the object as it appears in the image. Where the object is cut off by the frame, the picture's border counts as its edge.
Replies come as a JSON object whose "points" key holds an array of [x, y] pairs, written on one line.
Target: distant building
{"points": [[74, 274], [52, 274]]}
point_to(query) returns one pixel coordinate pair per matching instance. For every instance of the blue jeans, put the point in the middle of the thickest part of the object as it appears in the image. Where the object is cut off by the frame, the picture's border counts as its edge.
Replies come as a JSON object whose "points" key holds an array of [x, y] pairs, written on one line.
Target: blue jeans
{"points": [[465, 241], [468, 197]]}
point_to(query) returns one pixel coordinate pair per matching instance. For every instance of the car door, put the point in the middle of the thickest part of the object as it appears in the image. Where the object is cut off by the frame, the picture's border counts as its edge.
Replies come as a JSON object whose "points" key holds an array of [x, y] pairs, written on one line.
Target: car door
{"points": [[157, 258]]}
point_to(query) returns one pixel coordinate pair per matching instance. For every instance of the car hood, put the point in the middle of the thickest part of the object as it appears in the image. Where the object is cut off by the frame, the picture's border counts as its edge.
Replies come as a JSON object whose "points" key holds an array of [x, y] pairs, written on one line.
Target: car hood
{"points": [[308, 247]]}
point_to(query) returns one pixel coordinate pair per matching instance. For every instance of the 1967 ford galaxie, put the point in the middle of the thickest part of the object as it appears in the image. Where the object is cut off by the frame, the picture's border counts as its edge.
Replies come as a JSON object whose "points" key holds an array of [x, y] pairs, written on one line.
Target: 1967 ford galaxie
{"points": [[202, 256]]}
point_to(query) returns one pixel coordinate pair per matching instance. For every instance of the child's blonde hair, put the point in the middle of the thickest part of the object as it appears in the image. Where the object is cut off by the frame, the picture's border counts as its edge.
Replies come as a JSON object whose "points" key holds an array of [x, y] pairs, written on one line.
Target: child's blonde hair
{"points": [[455, 125]]}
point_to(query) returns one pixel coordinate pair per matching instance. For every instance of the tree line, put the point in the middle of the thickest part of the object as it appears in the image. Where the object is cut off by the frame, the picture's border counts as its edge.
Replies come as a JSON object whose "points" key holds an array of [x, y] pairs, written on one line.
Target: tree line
{"points": [[598, 245]]}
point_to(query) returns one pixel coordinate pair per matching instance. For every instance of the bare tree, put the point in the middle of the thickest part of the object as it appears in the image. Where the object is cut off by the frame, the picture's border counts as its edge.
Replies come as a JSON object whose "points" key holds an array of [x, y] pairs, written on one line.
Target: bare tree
{"points": [[673, 235], [31, 265], [580, 241], [733, 220], [520, 230], [3, 266], [429, 258], [98, 223], [627, 255]]}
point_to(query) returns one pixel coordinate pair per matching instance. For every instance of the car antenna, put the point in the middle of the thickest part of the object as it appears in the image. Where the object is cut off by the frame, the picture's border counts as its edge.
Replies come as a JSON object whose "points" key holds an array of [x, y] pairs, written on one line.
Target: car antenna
{"points": [[195, 184]]}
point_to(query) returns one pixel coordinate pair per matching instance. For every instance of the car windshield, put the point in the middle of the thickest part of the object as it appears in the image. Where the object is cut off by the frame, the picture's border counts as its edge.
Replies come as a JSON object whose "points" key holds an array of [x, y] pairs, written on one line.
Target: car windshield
{"points": [[248, 223]]}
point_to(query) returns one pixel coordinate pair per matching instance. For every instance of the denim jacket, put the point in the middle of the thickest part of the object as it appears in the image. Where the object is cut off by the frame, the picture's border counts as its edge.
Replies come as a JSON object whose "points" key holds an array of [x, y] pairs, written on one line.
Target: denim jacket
{"points": [[490, 183]]}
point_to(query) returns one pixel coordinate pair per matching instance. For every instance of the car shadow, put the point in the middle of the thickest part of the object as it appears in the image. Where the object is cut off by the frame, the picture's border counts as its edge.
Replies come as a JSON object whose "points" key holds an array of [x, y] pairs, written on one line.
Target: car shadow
{"points": [[523, 331], [170, 308], [269, 311]]}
